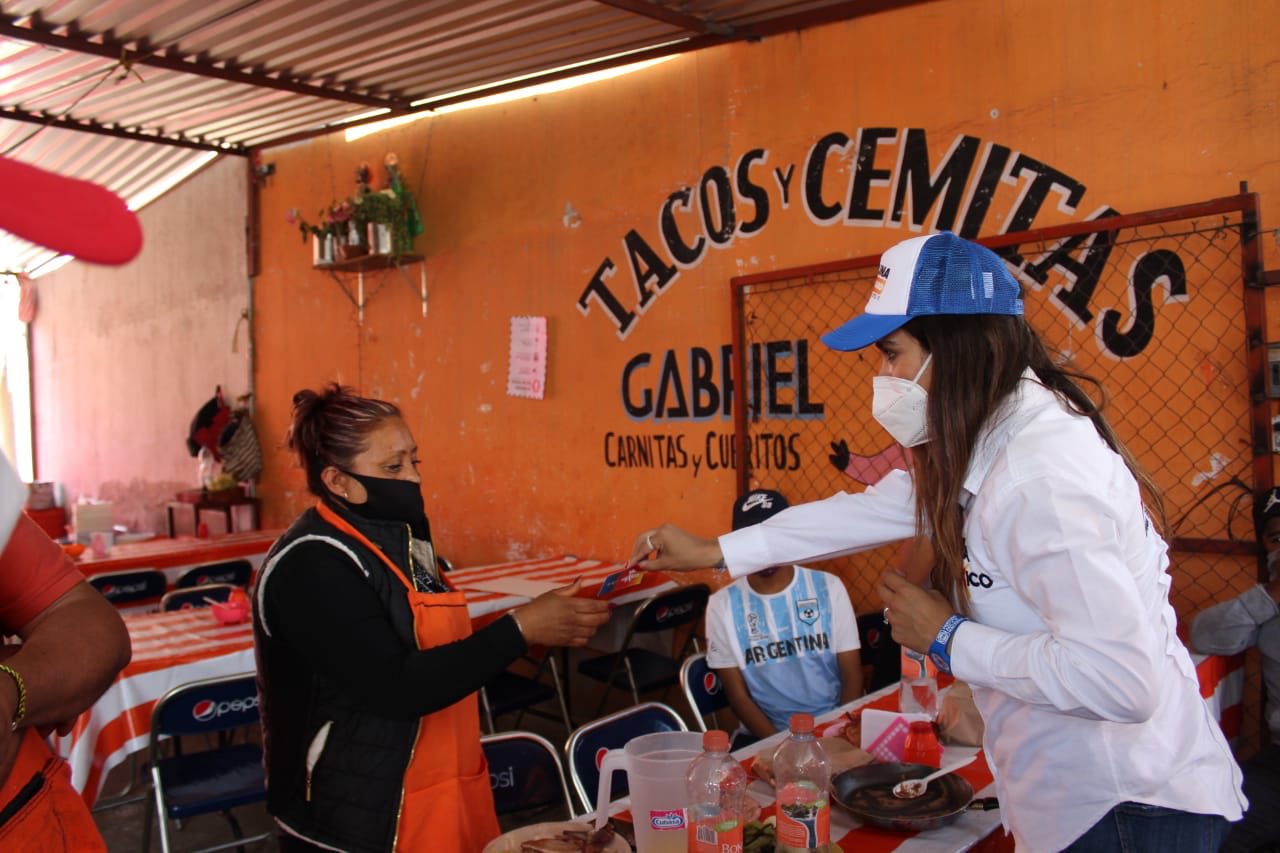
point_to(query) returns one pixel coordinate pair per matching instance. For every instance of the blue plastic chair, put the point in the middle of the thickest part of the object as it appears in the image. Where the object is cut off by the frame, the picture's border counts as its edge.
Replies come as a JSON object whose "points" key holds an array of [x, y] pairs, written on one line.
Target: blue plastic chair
{"points": [[641, 669], [703, 689], [525, 772], [130, 587], [880, 651], [195, 596], [234, 572], [589, 742], [509, 692], [213, 780]]}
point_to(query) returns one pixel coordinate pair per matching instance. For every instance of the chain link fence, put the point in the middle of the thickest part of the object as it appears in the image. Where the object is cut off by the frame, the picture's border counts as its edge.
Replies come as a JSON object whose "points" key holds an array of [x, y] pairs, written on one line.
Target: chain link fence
{"points": [[1154, 306]]}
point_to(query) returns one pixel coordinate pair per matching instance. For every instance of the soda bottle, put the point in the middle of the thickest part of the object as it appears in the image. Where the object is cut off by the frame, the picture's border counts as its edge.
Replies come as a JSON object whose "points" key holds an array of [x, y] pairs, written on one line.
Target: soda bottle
{"points": [[716, 785], [802, 775]]}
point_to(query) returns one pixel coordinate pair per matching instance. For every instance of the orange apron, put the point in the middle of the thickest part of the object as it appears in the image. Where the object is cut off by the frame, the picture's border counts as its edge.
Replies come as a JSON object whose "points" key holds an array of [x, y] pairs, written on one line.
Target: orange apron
{"points": [[447, 801], [48, 813]]}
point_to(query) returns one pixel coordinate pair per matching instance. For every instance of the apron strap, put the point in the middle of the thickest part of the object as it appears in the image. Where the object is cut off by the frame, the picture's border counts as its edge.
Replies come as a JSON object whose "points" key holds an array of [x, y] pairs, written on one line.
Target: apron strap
{"points": [[346, 527]]}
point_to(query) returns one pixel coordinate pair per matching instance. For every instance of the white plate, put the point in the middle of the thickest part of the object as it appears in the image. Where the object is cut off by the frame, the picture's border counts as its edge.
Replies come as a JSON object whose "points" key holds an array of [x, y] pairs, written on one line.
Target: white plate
{"points": [[511, 841], [136, 536]]}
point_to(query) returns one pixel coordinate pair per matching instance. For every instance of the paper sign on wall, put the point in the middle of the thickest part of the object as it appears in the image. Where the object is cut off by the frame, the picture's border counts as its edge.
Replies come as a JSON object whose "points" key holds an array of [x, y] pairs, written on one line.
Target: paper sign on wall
{"points": [[527, 369]]}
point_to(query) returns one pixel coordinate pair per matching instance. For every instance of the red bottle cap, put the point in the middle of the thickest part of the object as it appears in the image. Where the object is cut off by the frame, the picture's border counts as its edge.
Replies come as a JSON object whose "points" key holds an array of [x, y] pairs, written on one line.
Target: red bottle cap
{"points": [[801, 723], [716, 741]]}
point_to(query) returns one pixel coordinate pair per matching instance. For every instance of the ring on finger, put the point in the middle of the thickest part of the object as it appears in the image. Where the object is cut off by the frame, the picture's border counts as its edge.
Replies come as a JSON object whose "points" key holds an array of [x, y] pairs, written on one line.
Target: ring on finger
{"points": [[886, 614], [648, 540]]}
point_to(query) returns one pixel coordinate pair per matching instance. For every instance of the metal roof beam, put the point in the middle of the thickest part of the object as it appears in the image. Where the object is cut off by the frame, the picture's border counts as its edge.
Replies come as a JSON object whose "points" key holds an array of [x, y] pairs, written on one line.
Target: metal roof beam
{"points": [[693, 23], [104, 45], [89, 126]]}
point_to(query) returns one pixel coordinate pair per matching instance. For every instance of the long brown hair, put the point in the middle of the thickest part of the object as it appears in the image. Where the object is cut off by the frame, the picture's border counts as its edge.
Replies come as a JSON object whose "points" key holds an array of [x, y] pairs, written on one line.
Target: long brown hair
{"points": [[978, 361]]}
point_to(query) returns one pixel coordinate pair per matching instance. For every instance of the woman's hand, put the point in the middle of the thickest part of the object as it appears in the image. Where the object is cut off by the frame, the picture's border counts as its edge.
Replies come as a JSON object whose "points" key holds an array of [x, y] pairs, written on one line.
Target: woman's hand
{"points": [[560, 618], [674, 550], [914, 614]]}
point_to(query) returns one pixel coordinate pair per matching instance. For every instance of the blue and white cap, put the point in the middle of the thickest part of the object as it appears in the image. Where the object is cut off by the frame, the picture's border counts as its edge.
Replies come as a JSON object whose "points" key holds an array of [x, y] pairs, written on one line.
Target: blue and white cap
{"points": [[937, 274]]}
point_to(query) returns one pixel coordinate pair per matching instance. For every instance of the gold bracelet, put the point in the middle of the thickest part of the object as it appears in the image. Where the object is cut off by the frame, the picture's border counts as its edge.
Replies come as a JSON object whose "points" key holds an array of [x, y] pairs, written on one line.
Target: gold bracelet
{"points": [[21, 713]]}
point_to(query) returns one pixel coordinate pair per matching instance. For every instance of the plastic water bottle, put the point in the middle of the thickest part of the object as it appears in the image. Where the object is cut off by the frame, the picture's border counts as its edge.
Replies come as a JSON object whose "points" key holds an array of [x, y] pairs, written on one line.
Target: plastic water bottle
{"points": [[717, 785], [802, 773]]}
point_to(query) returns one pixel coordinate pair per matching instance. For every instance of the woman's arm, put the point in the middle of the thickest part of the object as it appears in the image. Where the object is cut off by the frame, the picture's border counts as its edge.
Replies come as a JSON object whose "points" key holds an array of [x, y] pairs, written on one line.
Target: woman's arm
{"points": [[841, 524], [327, 613]]}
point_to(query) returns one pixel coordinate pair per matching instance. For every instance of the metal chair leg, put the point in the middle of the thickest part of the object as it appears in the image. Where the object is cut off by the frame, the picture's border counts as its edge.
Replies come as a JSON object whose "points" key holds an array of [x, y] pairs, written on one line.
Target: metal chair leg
{"points": [[631, 679], [608, 683], [564, 707], [488, 714]]}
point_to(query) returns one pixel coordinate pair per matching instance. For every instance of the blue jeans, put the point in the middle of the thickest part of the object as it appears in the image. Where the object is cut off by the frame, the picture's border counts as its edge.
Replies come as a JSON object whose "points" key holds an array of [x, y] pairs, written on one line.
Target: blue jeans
{"points": [[1139, 828]]}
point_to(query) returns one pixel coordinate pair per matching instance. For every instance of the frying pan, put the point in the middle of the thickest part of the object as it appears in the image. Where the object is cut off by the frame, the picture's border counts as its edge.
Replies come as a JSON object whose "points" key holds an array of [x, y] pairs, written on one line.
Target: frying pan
{"points": [[867, 793]]}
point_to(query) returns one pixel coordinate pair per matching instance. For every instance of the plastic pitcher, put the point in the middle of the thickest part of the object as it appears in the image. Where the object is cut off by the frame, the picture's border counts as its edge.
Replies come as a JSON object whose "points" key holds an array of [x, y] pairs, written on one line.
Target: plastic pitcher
{"points": [[656, 765]]}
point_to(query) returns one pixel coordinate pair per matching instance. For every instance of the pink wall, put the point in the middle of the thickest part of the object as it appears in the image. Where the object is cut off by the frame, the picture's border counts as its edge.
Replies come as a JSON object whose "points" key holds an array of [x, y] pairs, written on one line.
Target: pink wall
{"points": [[121, 358]]}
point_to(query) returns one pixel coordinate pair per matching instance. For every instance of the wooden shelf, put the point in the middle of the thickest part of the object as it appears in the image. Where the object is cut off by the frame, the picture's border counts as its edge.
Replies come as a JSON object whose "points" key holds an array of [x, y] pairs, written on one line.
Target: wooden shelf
{"points": [[358, 266]]}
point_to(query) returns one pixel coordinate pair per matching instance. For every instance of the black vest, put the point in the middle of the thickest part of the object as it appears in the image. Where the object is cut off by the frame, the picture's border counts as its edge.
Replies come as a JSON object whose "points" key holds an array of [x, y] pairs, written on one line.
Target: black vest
{"points": [[350, 798]]}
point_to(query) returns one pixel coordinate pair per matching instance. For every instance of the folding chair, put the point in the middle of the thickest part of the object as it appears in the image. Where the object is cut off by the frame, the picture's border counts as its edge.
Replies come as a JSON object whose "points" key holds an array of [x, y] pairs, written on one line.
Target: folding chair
{"points": [[511, 691], [645, 670], [589, 742], [131, 587], [526, 773], [234, 572], [703, 690], [214, 780], [880, 651], [195, 596]]}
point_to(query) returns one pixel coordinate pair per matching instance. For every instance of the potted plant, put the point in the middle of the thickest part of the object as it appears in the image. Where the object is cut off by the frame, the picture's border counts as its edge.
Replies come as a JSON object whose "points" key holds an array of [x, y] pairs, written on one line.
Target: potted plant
{"points": [[388, 219]]}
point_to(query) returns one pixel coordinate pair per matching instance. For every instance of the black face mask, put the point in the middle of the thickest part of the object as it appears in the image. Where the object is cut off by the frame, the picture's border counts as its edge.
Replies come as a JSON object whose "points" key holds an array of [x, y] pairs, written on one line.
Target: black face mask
{"points": [[392, 500]]}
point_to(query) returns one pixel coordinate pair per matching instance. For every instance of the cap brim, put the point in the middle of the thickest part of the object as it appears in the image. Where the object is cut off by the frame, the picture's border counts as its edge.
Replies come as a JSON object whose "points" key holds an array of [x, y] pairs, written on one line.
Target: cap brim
{"points": [[67, 215], [863, 331]]}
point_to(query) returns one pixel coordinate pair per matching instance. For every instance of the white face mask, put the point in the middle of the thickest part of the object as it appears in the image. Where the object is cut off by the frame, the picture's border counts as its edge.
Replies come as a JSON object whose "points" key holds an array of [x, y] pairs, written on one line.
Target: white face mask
{"points": [[901, 407]]}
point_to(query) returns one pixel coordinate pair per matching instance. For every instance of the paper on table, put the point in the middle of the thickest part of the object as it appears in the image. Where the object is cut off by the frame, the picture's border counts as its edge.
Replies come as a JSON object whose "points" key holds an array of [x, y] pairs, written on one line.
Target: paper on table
{"points": [[527, 587], [884, 732]]}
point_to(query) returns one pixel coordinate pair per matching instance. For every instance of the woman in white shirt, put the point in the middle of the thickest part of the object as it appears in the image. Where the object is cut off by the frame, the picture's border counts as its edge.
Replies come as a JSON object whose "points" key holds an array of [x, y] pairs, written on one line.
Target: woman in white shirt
{"points": [[1050, 590]]}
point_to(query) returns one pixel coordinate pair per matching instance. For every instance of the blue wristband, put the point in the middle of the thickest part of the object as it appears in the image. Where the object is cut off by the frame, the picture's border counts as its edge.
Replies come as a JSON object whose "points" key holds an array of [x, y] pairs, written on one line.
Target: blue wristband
{"points": [[938, 652]]}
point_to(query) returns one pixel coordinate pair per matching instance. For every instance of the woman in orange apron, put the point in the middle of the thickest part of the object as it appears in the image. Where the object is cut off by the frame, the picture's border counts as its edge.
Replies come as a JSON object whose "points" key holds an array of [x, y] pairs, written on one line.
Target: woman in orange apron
{"points": [[368, 667]]}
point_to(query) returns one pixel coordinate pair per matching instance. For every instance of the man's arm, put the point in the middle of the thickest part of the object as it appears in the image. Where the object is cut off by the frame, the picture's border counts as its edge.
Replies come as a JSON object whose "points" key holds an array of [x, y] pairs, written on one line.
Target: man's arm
{"points": [[70, 653], [744, 707], [850, 666]]}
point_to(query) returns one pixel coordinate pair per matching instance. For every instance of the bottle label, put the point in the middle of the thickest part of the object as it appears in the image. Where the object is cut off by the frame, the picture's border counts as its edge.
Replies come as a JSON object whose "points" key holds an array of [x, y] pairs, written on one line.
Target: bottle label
{"points": [[715, 835], [667, 819], [804, 817]]}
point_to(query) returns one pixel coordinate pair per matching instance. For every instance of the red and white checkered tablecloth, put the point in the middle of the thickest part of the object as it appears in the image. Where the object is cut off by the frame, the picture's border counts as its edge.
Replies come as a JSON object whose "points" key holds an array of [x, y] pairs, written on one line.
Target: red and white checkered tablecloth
{"points": [[485, 606], [168, 649], [175, 648]]}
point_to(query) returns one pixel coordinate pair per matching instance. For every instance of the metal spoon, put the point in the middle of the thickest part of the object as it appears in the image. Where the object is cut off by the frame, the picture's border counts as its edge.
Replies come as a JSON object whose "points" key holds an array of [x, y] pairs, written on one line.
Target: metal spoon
{"points": [[909, 789]]}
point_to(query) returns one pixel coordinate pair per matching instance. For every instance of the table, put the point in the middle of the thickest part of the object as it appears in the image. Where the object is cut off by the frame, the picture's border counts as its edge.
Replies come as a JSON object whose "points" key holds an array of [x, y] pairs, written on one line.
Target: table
{"points": [[1221, 685], [168, 649], [966, 832], [174, 648], [491, 602], [174, 556]]}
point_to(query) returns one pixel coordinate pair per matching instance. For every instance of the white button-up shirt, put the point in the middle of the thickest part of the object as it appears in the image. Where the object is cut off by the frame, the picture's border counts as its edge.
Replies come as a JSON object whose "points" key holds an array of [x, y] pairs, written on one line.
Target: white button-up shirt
{"points": [[1088, 696]]}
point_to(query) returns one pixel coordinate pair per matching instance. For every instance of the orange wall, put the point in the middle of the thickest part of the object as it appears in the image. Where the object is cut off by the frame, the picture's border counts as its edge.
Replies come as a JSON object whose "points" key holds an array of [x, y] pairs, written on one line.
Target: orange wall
{"points": [[1144, 106]]}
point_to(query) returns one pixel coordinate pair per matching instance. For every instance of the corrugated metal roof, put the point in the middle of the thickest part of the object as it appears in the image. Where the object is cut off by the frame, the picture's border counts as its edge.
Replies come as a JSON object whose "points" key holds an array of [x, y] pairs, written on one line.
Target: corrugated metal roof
{"points": [[132, 94]]}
